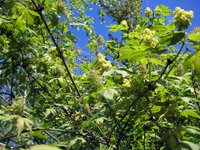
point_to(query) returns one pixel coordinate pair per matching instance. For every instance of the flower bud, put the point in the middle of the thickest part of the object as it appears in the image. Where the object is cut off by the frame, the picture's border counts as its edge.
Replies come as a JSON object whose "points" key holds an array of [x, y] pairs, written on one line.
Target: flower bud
{"points": [[100, 39], [103, 63], [148, 11], [148, 37]]}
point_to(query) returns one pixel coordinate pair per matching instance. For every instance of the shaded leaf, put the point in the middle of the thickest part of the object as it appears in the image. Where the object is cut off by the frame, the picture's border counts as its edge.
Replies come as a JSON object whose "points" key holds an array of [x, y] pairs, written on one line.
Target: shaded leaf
{"points": [[76, 140], [186, 145], [191, 113], [193, 130]]}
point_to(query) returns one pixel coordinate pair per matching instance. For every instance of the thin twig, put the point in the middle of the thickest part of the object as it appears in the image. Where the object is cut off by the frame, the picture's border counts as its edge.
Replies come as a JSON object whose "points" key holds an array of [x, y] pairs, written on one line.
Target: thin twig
{"points": [[5, 100], [55, 139]]}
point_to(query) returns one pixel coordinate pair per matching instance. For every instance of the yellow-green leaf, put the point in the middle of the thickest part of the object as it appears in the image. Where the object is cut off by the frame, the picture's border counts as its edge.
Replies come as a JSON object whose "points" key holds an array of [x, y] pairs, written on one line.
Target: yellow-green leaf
{"points": [[20, 125], [191, 113], [43, 147], [194, 37]]}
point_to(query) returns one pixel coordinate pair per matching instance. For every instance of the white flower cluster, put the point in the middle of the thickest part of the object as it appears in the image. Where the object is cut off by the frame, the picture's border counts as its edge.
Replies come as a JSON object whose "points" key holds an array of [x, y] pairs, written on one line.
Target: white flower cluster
{"points": [[182, 18], [104, 64], [148, 37]]}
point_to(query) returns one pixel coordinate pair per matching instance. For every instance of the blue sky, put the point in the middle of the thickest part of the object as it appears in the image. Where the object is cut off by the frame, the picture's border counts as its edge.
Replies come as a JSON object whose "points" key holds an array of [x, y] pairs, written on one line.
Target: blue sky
{"points": [[184, 4], [103, 28]]}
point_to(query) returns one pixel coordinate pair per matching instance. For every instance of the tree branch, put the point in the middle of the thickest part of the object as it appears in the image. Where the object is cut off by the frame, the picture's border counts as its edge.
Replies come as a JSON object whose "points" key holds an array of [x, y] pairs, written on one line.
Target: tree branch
{"points": [[150, 87], [57, 47], [5, 100]]}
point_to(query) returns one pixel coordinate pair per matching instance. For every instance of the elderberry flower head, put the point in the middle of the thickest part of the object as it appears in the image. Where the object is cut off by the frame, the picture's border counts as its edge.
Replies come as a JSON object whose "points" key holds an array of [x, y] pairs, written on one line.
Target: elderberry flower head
{"points": [[182, 18]]}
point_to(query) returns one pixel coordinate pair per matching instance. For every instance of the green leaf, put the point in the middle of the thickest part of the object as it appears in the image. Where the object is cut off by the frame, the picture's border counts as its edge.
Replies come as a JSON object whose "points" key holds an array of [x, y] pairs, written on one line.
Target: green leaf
{"points": [[171, 26], [20, 125], [165, 10], [122, 27], [50, 111], [108, 93], [123, 73], [131, 54], [157, 61], [172, 142], [1, 112], [172, 38], [43, 147], [21, 23], [114, 28], [37, 134], [193, 130], [194, 37], [189, 99], [196, 62], [108, 73], [76, 140], [3, 20], [33, 13], [187, 145], [85, 124], [100, 120], [191, 113]]}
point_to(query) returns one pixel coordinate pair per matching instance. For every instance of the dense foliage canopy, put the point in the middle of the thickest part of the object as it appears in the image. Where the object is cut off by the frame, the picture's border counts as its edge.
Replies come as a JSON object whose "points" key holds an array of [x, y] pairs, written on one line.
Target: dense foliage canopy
{"points": [[145, 96]]}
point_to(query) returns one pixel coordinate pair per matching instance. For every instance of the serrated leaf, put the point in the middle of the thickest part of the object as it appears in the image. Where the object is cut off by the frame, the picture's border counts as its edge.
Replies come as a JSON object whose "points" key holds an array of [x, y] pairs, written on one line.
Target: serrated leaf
{"points": [[43, 147], [191, 113]]}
